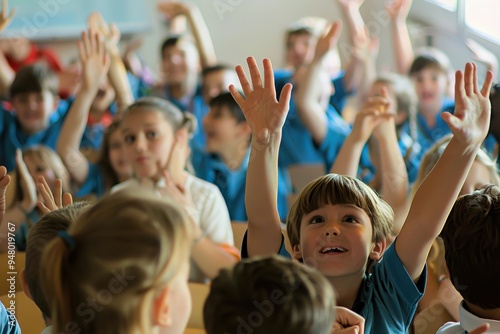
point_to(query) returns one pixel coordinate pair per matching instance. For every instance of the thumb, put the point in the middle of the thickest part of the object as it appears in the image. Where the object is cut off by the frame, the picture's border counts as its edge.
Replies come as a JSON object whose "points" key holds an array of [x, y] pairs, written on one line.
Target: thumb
{"points": [[453, 122]]}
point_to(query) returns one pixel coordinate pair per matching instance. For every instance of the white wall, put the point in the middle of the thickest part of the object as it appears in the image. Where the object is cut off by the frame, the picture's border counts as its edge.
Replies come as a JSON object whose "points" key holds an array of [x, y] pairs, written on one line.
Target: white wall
{"points": [[241, 28]]}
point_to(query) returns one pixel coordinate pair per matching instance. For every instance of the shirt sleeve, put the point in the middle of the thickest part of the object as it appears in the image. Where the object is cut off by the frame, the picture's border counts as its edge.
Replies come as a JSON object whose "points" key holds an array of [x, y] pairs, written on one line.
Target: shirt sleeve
{"points": [[8, 322]]}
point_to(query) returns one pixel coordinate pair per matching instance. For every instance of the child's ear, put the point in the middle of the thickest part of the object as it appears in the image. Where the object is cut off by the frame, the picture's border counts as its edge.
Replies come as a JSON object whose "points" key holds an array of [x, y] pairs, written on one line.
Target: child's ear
{"points": [[24, 284], [378, 250], [161, 311], [245, 128], [182, 135], [297, 253]]}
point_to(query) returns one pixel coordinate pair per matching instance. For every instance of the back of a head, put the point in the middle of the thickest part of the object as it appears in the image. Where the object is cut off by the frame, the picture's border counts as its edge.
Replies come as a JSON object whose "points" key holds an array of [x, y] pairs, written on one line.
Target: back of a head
{"points": [[34, 78], [270, 295], [472, 247], [40, 234], [103, 276], [332, 189]]}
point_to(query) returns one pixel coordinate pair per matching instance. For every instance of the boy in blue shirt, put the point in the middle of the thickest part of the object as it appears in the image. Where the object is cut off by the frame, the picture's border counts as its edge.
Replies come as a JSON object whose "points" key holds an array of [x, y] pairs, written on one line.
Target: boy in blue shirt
{"points": [[37, 116], [339, 225], [225, 160]]}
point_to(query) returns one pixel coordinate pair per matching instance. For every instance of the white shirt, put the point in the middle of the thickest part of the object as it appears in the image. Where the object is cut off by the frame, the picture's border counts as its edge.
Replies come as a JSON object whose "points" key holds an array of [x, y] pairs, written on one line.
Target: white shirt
{"points": [[468, 322], [214, 217]]}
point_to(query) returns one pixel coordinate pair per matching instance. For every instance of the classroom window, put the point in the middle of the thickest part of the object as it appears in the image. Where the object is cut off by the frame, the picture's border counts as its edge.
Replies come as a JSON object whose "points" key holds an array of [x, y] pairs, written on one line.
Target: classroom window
{"points": [[479, 16], [447, 4]]}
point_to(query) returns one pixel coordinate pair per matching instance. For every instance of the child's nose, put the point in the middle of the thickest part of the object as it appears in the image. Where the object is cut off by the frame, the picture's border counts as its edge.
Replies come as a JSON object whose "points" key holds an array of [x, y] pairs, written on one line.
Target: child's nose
{"points": [[332, 229], [140, 143]]}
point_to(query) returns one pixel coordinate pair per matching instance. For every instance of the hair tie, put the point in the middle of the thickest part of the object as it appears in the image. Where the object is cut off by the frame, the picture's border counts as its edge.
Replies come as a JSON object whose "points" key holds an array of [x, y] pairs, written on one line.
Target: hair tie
{"points": [[68, 239]]}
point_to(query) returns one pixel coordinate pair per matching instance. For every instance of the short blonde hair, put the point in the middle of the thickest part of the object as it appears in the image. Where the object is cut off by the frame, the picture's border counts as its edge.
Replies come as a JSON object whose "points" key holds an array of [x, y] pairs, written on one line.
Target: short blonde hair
{"points": [[340, 189], [122, 251]]}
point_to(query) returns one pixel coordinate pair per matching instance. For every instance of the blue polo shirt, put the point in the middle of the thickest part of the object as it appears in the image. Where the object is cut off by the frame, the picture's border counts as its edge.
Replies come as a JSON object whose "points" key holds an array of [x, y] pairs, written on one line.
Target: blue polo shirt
{"points": [[12, 137], [8, 322], [94, 183], [426, 135], [387, 298], [232, 183]]}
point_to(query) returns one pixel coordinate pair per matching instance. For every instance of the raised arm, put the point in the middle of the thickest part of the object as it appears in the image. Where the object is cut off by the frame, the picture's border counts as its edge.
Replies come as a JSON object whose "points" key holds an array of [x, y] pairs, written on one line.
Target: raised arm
{"points": [[398, 11], [359, 47], [199, 29], [366, 121], [308, 93], [266, 117], [117, 73], [394, 177], [6, 72], [95, 66], [435, 196]]}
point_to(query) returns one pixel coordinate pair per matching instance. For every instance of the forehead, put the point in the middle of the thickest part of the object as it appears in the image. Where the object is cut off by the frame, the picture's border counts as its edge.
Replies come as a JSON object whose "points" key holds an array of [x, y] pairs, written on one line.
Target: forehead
{"points": [[141, 116]]}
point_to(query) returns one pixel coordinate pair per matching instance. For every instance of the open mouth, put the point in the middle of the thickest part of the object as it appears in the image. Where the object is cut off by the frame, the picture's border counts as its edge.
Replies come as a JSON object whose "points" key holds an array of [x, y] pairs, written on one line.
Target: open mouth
{"points": [[332, 250]]}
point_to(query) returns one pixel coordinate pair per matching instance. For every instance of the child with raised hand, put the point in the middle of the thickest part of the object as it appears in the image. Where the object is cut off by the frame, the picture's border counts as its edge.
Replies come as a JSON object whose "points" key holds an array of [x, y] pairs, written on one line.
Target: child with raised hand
{"points": [[156, 136], [95, 178], [283, 295], [32, 163], [132, 253], [182, 61], [339, 225]]}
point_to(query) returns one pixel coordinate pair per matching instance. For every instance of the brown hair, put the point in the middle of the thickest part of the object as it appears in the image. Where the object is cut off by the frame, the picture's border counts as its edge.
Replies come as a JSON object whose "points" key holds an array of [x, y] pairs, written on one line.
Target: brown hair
{"points": [[340, 189], [429, 57], [274, 294], [109, 175], [472, 247], [170, 112], [34, 78], [118, 255], [38, 237]]}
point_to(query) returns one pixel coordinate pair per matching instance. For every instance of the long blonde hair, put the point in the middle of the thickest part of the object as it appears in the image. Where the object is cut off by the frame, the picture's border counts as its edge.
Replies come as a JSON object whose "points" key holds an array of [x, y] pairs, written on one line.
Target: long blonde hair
{"points": [[119, 254]]}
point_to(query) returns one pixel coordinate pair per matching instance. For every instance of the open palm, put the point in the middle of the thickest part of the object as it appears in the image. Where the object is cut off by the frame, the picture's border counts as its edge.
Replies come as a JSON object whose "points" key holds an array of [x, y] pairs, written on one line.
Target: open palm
{"points": [[264, 114]]}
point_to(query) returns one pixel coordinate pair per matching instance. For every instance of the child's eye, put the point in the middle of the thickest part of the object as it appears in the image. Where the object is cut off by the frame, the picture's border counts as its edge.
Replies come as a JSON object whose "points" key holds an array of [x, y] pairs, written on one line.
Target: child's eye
{"points": [[151, 134], [350, 219], [317, 220], [129, 139]]}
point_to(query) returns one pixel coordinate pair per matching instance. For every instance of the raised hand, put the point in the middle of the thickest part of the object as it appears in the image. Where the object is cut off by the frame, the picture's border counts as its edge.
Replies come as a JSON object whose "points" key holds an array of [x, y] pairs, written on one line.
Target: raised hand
{"points": [[4, 183], [386, 107], [398, 9], [27, 183], [172, 9], [4, 18], [109, 33], [471, 120], [265, 115], [351, 3], [328, 40], [369, 118], [52, 201], [94, 58], [482, 55]]}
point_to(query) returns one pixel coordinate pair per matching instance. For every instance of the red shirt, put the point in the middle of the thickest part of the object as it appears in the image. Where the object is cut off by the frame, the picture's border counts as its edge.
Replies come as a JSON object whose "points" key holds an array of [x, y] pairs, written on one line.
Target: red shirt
{"points": [[37, 55]]}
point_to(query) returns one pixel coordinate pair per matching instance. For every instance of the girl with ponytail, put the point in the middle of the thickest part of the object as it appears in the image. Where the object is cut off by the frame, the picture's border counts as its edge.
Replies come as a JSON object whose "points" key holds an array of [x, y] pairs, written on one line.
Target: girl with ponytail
{"points": [[122, 268]]}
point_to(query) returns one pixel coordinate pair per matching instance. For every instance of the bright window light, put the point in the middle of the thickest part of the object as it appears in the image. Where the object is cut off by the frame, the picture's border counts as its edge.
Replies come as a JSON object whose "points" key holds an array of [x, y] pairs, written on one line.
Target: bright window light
{"points": [[447, 4], [480, 16]]}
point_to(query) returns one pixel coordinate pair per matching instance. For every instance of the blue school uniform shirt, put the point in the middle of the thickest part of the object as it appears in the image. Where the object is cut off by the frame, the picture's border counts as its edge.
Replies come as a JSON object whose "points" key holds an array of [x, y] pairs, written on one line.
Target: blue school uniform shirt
{"points": [[24, 228], [12, 137], [93, 184], [387, 298], [427, 136], [232, 183], [8, 322]]}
